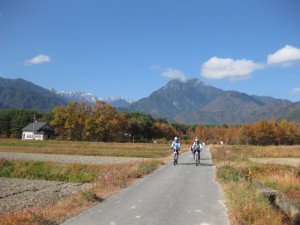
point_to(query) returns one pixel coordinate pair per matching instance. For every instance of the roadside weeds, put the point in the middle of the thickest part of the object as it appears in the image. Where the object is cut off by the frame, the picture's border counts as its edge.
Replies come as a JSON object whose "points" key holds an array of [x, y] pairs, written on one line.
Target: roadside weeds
{"points": [[236, 173]]}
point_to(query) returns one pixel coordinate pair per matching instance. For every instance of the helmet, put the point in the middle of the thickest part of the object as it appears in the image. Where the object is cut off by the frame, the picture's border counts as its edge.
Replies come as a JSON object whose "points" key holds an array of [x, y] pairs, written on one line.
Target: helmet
{"points": [[176, 139], [196, 139]]}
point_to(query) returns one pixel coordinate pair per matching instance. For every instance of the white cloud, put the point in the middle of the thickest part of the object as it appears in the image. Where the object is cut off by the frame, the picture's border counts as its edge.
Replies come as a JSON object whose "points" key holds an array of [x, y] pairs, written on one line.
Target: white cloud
{"points": [[171, 73], [174, 74], [295, 91], [285, 56], [38, 60], [220, 68]]}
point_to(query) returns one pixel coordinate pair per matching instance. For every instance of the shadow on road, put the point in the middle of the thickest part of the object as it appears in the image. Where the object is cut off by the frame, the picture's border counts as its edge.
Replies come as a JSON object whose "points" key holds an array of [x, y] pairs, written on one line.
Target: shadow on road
{"points": [[206, 164], [185, 164], [205, 158], [193, 164]]}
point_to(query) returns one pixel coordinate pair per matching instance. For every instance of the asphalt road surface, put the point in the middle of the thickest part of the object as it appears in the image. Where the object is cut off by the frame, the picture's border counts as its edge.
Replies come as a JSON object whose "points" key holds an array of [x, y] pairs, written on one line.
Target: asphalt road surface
{"points": [[173, 195]]}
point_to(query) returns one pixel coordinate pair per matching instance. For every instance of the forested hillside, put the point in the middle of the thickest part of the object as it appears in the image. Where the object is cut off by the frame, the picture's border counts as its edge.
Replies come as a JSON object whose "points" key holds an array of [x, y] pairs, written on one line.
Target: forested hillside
{"points": [[21, 94], [194, 102]]}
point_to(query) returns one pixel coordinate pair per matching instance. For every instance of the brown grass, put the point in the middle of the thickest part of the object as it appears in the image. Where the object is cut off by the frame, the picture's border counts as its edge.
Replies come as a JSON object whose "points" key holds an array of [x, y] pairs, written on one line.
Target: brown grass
{"points": [[244, 203], [143, 150], [246, 206], [249, 151]]}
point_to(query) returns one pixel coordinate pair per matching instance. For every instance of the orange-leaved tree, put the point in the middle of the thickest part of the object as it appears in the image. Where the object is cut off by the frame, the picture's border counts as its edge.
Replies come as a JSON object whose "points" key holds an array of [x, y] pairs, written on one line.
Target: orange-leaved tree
{"points": [[106, 124]]}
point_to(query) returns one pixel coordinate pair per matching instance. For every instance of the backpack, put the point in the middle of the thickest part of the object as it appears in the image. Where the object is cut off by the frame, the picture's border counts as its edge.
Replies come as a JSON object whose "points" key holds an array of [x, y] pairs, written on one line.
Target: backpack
{"points": [[176, 146], [197, 147]]}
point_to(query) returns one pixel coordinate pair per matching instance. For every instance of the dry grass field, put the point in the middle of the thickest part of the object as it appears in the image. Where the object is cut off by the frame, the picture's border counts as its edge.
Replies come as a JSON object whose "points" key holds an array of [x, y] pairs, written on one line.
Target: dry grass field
{"points": [[87, 148], [276, 167]]}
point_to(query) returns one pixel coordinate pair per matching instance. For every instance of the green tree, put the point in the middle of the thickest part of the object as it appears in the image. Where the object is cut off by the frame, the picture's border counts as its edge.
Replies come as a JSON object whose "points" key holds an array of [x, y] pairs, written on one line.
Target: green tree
{"points": [[141, 126], [13, 120], [5, 126]]}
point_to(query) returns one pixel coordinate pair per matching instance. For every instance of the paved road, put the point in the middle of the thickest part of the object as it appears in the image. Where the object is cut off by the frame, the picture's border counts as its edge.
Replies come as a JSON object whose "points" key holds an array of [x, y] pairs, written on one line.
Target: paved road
{"points": [[173, 195]]}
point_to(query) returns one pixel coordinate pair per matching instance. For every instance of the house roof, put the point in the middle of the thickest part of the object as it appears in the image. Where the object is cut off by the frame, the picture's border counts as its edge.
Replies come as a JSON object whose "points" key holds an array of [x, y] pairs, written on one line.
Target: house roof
{"points": [[37, 126]]}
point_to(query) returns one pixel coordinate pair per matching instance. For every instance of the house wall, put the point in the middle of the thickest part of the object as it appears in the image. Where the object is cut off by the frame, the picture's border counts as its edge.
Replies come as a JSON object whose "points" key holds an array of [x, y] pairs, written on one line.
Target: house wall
{"points": [[26, 135]]}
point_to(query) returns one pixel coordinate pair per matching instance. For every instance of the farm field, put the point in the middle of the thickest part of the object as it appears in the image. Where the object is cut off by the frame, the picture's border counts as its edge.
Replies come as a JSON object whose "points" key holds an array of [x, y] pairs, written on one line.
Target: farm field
{"points": [[74, 186], [140, 150]]}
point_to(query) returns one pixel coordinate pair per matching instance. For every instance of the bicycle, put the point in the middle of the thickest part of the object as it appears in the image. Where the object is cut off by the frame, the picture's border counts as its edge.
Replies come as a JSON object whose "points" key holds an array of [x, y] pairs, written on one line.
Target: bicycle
{"points": [[175, 158], [197, 157]]}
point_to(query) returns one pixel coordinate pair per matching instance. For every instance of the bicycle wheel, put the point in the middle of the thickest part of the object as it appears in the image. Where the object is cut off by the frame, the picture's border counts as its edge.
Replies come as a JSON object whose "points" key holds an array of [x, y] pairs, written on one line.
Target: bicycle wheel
{"points": [[175, 159], [197, 158]]}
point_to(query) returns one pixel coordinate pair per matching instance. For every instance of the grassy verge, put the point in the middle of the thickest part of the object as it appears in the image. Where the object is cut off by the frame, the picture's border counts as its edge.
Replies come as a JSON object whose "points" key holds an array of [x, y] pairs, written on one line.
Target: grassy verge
{"points": [[246, 205]]}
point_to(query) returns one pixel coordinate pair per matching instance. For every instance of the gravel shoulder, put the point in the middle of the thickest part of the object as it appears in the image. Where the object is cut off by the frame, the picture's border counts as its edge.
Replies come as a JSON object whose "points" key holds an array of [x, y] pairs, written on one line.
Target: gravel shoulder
{"points": [[17, 194]]}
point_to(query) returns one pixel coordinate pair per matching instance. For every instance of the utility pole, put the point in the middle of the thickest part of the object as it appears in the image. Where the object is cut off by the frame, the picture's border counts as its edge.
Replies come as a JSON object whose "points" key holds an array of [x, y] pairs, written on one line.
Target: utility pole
{"points": [[34, 119]]}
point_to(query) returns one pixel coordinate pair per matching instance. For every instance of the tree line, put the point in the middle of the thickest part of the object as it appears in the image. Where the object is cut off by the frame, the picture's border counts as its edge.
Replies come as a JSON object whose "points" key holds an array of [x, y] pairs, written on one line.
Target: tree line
{"points": [[80, 122], [263, 132], [102, 122]]}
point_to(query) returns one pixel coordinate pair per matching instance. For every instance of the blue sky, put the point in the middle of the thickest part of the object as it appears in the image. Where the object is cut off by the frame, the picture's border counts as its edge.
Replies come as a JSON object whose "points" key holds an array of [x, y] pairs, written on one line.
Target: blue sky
{"points": [[132, 48]]}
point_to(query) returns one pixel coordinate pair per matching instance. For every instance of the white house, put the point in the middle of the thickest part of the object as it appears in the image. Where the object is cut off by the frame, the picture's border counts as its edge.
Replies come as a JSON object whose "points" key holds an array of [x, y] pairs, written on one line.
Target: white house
{"points": [[38, 131]]}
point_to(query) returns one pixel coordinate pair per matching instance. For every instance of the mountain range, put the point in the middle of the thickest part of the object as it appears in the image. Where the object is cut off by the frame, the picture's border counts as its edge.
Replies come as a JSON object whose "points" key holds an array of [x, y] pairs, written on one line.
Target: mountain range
{"points": [[191, 102], [90, 99], [194, 102]]}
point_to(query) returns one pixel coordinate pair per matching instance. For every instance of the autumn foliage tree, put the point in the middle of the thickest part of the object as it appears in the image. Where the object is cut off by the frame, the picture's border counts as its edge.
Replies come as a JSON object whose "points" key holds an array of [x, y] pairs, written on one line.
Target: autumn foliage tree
{"points": [[106, 123], [78, 121], [70, 121], [264, 132]]}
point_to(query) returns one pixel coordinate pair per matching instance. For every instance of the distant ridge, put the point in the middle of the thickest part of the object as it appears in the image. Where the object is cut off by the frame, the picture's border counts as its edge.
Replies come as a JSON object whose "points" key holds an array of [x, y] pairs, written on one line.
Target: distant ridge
{"points": [[194, 102], [21, 94], [191, 102]]}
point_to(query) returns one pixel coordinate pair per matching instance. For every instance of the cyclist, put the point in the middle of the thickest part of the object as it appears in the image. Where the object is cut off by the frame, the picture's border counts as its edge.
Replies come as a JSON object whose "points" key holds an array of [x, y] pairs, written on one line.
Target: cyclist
{"points": [[176, 145], [192, 144], [196, 147]]}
